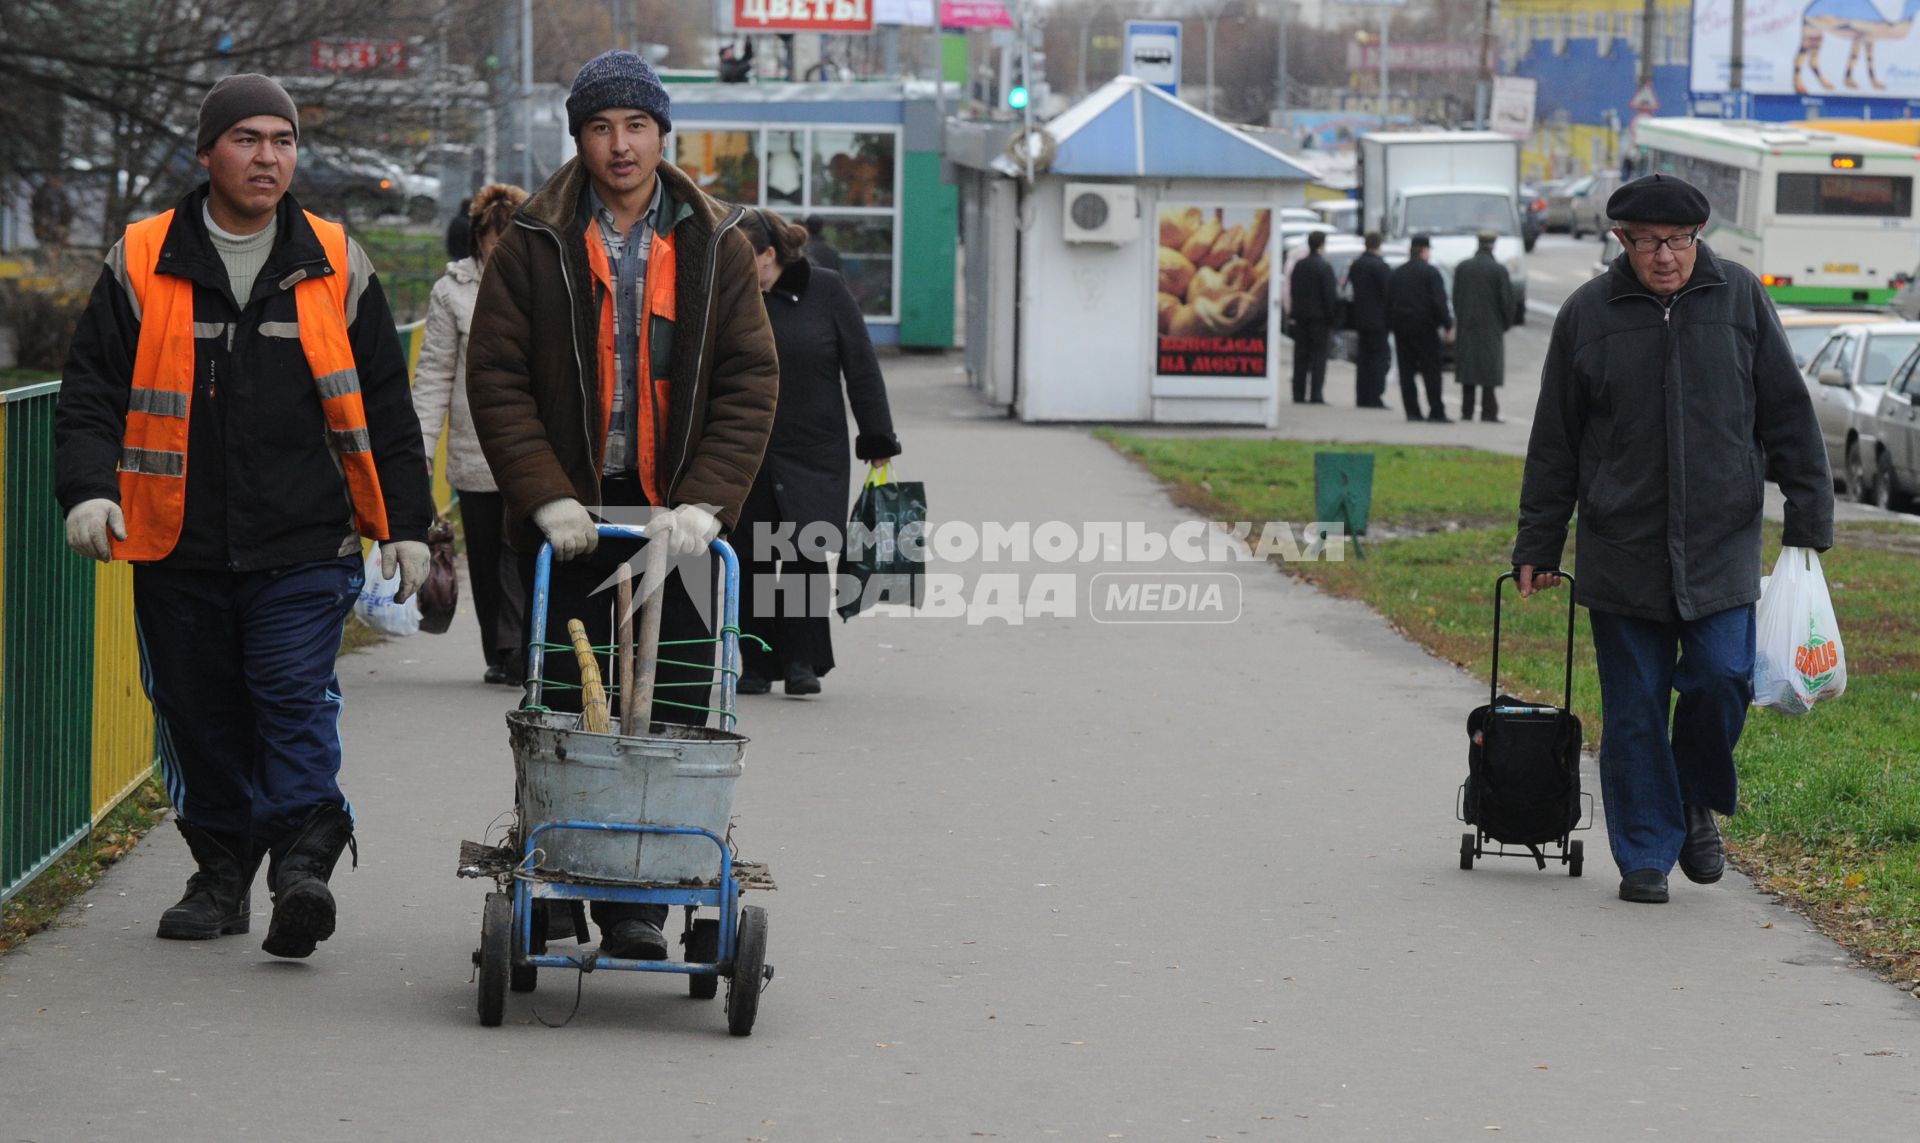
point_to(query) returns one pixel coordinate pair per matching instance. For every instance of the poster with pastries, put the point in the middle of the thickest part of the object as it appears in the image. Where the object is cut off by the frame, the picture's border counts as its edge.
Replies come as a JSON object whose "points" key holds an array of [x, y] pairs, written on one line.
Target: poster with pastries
{"points": [[1215, 269]]}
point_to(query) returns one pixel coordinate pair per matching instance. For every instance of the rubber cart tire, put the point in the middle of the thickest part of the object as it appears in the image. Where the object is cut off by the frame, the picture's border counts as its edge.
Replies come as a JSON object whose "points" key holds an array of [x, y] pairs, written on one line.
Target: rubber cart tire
{"points": [[702, 941], [523, 977], [496, 927], [1466, 851], [749, 965], [1576, 857]]}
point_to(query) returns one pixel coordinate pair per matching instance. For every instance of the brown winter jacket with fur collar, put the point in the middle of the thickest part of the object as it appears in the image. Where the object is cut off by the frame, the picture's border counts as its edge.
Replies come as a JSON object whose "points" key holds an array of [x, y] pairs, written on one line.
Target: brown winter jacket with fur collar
{"points": [[532, 358]]}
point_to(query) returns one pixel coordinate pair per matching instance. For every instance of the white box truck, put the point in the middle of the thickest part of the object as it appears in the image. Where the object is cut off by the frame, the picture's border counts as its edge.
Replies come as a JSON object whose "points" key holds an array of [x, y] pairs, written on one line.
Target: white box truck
{"points": [[1449, 185]]}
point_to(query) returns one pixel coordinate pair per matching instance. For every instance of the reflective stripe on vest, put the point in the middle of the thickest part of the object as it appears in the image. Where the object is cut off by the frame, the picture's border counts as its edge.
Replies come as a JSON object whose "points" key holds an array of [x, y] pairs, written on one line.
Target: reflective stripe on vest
{"points": [[153, 455], [659, 295]]}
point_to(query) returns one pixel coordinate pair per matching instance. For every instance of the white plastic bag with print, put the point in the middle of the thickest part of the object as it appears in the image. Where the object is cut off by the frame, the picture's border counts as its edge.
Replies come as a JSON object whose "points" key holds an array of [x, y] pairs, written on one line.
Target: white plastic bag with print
{"points": [[376, 607], [1798, 658]]}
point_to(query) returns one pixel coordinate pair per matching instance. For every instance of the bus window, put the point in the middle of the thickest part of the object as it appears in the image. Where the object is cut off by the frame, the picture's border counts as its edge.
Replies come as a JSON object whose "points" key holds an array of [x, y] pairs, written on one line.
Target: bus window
{"points": [[1878, 196]]}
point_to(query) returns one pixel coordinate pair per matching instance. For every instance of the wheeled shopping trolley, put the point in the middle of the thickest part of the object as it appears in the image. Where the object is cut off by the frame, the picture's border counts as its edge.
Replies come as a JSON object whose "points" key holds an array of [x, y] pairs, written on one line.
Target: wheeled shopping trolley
{"points": [[1523, 769], [636, 815]]}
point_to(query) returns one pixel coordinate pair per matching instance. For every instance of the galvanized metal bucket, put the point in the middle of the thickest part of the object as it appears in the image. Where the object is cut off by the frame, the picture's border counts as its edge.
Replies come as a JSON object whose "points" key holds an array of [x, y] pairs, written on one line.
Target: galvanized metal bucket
{"points": [[671, 776]]}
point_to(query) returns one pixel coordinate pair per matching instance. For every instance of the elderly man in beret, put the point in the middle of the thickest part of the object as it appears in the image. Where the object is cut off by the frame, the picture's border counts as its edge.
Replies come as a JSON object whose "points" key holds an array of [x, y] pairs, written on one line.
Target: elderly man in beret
{"points": [[1668, 398]]}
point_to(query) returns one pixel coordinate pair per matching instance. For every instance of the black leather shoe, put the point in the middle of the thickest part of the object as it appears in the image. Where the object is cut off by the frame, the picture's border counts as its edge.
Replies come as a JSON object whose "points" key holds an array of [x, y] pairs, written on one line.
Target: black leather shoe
{"points": [[1646, 886], [801, 680], [752, 684], [1703, 858], [634, 940], [1439, 418]]}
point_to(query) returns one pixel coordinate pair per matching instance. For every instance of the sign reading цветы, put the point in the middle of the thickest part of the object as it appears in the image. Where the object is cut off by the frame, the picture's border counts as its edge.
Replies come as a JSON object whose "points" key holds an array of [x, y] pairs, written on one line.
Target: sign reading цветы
{"points": [[835, 16]]}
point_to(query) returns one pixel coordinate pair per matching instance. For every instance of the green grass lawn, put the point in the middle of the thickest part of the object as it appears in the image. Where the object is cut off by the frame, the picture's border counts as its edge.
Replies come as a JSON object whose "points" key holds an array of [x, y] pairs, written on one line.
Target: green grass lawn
{"points": [[1830, 801], [408, 262]]}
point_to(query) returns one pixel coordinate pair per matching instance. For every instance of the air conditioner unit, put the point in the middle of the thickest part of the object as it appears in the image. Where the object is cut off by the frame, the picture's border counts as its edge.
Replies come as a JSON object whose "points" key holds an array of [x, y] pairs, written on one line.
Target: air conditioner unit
{"points": [[1107, 213]]}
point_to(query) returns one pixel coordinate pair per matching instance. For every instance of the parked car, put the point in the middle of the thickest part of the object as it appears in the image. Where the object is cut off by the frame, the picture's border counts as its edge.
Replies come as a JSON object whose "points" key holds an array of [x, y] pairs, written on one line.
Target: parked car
{"points": [[1808, 330], [1533, 215], [1847, 379], [1587, 208], [1343, 214], [1559, 196], [1895, 431], [361, 185]]}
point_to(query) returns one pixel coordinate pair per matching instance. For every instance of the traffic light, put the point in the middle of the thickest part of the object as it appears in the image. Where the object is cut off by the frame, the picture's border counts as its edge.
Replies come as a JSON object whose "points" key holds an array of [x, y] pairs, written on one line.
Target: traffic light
{"points": [[1017, 97]]}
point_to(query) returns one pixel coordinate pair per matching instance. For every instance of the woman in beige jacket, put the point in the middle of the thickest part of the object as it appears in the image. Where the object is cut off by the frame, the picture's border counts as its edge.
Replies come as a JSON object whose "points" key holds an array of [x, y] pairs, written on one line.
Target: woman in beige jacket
{"points": [[440, 399]]}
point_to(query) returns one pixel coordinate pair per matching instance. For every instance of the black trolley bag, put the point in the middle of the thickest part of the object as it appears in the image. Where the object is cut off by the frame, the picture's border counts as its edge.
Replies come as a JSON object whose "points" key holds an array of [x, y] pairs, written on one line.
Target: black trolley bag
{"points": [[1523, 768]]}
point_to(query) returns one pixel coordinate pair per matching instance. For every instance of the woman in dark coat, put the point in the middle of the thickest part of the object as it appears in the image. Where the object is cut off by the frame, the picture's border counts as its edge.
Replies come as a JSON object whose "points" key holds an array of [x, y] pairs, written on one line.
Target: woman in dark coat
{"points": [[805, 483]]}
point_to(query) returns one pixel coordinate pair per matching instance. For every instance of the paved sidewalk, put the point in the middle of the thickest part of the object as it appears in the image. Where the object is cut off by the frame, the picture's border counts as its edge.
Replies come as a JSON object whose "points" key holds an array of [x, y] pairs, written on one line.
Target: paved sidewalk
{"points": [[1060, 880]]}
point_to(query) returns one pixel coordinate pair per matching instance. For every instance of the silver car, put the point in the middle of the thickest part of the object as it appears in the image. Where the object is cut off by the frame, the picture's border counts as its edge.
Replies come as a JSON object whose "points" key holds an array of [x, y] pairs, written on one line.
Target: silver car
{"points": [[1895, 438], [1587, 209], [1847, 379]]}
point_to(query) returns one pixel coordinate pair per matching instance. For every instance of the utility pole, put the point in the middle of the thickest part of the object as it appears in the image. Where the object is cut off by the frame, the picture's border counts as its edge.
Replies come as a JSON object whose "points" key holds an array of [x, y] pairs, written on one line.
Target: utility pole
{"points": [[1483, 91], [1386, 18], [1026, 76], [1213, 25], [1280, 77], [526, 94], [1737, 62]]}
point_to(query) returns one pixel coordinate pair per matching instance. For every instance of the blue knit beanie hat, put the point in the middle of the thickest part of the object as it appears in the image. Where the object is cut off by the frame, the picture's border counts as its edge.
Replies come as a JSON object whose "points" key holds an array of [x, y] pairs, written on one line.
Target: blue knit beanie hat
{"points": [[617, 79]]}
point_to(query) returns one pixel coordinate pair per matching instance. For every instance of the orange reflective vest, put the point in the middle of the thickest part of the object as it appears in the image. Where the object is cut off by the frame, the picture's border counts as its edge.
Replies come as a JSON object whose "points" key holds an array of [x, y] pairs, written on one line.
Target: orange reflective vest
{"points": [[651, 415], [153, 453]]}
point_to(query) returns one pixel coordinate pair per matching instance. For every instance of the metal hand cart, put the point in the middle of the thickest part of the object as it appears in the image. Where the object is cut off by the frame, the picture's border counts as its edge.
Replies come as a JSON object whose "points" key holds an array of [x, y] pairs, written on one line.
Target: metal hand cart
{"points": [[637, 818]]}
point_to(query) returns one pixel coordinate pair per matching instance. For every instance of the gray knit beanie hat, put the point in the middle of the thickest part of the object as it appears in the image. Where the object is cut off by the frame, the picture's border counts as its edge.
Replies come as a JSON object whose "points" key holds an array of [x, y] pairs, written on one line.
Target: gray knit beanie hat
{"points": [[240, 97], [617, 79]]}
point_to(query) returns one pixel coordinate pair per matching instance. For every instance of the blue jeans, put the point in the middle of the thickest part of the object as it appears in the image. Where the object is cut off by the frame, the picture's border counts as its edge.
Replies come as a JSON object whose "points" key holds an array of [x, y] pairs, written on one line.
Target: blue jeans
{"points": [[246, 705], [1652, 767]]}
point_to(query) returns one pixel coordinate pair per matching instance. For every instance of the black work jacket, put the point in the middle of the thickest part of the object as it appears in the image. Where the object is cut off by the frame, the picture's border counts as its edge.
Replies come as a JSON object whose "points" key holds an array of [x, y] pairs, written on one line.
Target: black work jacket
{"points": [[264, 487], [1661, 422]]}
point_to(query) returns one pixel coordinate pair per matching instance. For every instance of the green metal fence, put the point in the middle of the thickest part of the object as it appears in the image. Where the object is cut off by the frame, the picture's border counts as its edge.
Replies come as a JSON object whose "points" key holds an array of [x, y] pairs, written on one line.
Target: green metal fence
{"points": [[48, 710]]}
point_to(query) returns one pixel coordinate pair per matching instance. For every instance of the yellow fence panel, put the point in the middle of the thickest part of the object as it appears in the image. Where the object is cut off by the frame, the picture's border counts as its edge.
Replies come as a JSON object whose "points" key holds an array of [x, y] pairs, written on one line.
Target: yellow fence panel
{"points": [[122, 717]]}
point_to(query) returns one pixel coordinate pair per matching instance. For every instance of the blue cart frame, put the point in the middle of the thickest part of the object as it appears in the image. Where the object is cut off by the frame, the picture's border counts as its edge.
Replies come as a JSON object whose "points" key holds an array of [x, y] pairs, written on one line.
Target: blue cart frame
{"points": [[506, 930]]}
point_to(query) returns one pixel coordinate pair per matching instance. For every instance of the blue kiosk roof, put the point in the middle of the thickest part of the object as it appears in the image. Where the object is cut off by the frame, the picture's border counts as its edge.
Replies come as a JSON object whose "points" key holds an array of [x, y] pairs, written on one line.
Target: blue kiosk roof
{"points": [[1130, 129]]}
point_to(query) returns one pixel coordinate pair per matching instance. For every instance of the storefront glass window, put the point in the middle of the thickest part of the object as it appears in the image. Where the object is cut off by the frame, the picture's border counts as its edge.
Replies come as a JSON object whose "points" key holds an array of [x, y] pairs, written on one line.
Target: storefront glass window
{"points": [[852, 168], [726, 164]]}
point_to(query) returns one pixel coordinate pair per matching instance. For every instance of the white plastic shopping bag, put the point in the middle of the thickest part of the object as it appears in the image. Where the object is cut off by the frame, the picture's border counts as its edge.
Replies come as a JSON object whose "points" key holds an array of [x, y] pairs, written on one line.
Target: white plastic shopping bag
{"points": [[376, 607], [1798, 659]]}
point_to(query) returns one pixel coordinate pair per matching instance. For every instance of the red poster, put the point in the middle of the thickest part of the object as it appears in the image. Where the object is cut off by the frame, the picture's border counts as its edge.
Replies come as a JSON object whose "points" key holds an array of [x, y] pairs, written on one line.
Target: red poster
{"points": [[974, 14], [1215, 273], [837, 16]]}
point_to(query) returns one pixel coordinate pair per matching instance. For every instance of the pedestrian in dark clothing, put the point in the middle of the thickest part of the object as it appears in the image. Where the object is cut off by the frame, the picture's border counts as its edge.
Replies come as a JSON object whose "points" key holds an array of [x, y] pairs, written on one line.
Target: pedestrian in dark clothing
{"points": [[1314, 293], [736, 65], [1483, 307], [234, 419], [1367, 281], [620, 358], [1417, 312], [819, 251], [1668, 398], [804, 483]]}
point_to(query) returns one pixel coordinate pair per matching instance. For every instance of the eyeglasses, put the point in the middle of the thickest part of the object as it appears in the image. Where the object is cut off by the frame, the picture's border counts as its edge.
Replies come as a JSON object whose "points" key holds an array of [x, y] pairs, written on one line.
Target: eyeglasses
{"points": [[1648, 245]]}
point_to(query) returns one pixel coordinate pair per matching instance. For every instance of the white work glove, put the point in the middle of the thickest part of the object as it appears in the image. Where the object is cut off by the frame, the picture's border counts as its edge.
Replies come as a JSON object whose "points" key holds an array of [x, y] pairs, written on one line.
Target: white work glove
{"points": [[689, 529], [569, 528], [88, 525], [413, 557]]}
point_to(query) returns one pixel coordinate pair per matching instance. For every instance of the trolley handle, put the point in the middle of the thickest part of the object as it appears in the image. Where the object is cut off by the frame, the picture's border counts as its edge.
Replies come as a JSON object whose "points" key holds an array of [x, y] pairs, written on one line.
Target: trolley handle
{"points": [[1493, 687], [728, 577]]}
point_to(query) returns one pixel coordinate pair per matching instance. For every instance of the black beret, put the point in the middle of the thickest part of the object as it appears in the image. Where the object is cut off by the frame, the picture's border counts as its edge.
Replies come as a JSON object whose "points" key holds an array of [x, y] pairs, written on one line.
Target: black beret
{"points": [[1659, 199]]}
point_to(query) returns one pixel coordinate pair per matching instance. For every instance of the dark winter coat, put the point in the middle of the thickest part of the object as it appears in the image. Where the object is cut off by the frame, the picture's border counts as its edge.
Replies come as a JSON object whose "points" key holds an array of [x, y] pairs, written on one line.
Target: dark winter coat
{"points": [[1417, 300], [533, 358], [1367, 280], [264, 489], [1661, 423], [1483, 309], [822, 338], [1314, 293]]}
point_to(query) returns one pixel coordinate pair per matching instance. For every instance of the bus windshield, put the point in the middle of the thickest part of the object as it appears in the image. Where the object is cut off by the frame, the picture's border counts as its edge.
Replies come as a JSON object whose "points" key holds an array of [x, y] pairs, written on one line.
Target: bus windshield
{"points": [[1460, 213]]}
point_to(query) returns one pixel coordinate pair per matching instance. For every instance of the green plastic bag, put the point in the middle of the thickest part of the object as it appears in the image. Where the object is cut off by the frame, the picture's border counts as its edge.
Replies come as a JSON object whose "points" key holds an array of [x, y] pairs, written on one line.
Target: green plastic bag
{"points": [[885, 552]]}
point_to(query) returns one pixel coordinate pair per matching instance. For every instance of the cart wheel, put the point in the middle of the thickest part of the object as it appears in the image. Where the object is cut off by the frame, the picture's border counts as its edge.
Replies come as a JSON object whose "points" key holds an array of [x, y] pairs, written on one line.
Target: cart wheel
{"points": [[749, 965], [1466, 851], [702, 941], [523, 977], [1576, 857], [496, 927]]}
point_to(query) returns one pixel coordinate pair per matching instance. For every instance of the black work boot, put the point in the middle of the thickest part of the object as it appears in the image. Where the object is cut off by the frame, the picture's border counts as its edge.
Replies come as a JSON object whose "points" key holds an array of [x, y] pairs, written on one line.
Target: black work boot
{"points": [[1703, 858], [217, 902], [303, 912]]}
